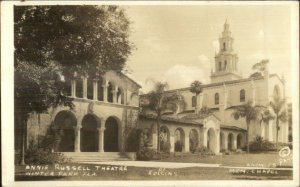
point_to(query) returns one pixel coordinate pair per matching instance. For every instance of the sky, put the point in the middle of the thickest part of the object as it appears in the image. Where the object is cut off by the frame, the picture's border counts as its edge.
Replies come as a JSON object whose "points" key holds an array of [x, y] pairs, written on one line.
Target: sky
{"points": [[177, 44]]}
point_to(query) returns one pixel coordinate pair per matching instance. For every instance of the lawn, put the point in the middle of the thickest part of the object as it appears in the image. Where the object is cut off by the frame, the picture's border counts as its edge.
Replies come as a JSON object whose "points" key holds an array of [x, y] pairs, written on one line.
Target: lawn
{"points": [[104, 172], [267, 159]]}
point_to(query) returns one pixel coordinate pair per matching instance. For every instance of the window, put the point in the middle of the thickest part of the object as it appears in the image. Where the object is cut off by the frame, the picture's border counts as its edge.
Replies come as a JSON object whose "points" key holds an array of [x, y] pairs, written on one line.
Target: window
{"points": [[100, 89], [216, 98], [225, 67], [224, 46], [220, 66], [110, 93], [67, 87], [276, 91], [194, 101], [242, 95]]}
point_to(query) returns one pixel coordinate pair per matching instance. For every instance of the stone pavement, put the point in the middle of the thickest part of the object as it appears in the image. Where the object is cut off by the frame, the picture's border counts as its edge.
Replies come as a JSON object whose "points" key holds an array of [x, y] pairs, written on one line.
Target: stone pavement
{"points": [[151, 164]]}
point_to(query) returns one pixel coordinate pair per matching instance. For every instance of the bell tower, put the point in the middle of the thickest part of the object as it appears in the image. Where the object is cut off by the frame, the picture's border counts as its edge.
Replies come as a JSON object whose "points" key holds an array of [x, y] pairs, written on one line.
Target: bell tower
{"points": [[226, 60]]}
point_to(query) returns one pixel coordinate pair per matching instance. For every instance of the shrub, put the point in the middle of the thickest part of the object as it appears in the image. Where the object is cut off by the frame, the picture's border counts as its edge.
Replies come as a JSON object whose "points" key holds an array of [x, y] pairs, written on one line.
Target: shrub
{"points": [[145, 154], [204, 151], [178, 146], [38, 155], [261, 145], [132, 141], [165, 147]]}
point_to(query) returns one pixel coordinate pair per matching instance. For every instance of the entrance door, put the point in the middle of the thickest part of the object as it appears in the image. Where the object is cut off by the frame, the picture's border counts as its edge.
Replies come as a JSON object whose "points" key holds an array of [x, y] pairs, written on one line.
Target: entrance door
{"points": [[89, 134], [67, 141], [111, 135]]}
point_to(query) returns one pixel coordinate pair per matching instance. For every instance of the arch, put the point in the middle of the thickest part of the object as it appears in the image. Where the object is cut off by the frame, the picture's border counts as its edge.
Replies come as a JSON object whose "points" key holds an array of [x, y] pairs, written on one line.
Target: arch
{"points": [[230, 141], [194, 101], [276, 91], [242, 95], [193, 140], [111, 134], [222, 141], [217, 99], [89, 133], [64, 123], [110, 94], [179, 140], [164, 139], [212, 140], [240, 142]]}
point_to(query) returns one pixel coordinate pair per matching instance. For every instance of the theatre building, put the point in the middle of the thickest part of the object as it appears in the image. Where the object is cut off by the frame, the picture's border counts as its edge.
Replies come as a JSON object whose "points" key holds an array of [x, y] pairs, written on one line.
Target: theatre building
{"points": [[104, 108]]}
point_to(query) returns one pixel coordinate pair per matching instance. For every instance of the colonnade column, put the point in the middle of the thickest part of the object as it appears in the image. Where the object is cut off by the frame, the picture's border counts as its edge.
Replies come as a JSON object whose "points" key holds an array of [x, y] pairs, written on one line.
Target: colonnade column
{"points": [[204, 136], [95, 90], [84, 87], [101, 137], [217, 149], [73, 88], [234, 143], [186, 143], [225, 143], [77, 138], [172, 149], [115, 96], [105, 85]]}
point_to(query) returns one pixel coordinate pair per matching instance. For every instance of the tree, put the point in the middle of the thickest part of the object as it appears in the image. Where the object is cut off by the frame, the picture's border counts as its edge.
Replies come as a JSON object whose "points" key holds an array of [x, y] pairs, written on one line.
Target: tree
{"points": [[51, 41], [280, 112], [250, 113], [158, 101], [265, 117], [196, 87]]}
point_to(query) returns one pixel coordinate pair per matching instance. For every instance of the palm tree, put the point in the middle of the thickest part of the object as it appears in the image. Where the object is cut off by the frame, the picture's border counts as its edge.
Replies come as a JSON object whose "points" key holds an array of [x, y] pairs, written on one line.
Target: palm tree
{"points": [[278, 107], [159, 101], [250, 113], [196, 87], [265, 117]]}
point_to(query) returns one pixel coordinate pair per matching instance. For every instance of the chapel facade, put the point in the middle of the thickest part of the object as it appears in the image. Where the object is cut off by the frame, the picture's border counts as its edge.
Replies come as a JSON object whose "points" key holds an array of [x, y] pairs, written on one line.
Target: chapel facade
{"points": [[228, 89]]}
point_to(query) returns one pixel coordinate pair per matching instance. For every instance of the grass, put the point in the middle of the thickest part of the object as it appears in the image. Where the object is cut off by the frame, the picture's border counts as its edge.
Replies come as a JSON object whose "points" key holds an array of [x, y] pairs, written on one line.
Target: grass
{"points": [[157, 173], [252, 159]]}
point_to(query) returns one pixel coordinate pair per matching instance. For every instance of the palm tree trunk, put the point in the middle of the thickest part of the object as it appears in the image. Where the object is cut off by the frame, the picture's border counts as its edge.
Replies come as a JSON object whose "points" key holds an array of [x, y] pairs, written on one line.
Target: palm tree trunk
{"points": [[23, 125], [247, 138], [158, 133], [277, 129]]}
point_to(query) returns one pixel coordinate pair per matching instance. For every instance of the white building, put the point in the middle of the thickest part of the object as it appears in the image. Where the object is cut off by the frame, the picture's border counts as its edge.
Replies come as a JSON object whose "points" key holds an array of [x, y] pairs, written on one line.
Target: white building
{"points": [[227, 89]]}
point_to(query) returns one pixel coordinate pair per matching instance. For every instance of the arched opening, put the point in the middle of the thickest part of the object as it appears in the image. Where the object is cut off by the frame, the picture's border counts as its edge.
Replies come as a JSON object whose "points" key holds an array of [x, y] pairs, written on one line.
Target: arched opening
{"points": [[211, 140], [230, 141], [179, 140], [67, 86], [89, 134], [111, 135], [194, 101], [194, 140], [120, 96], [110, 94], [164, 139], [90, 88], [240, 141], [222, 141], [64, 123], [216, 98], [242, 95], [100, 89], [79, 88]]}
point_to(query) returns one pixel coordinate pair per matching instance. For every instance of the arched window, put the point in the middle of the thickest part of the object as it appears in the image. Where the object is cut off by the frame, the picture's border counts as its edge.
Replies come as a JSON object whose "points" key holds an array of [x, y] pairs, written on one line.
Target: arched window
{"points": [[79, 88], [90, 88], [110, 92], [216, 98], [194, 101], [242, 95]]}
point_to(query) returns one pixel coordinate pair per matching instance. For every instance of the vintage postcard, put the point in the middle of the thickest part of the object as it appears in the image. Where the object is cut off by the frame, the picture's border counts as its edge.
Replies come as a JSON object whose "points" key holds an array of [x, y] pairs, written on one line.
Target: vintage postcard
{"points": [[150, 93]]}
